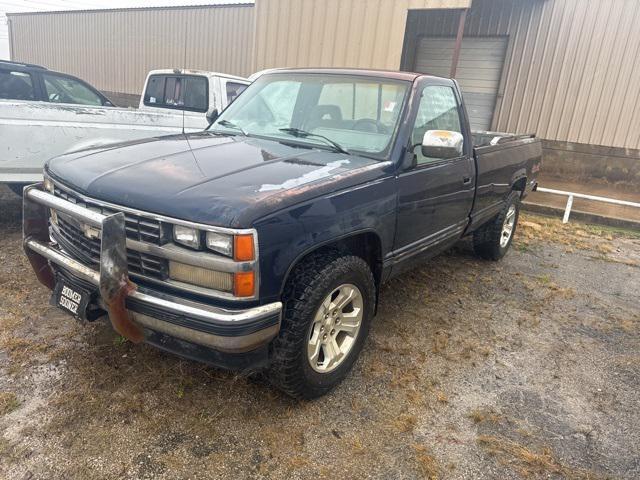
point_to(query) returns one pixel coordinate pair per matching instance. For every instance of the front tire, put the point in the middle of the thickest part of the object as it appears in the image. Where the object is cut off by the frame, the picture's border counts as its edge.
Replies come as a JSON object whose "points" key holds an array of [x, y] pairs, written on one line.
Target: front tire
{"points": [[328, 306], [492, 241]]}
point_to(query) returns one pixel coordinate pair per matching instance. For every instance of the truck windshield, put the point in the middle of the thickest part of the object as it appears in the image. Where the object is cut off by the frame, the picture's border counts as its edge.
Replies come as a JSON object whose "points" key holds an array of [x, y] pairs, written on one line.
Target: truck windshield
{"points": [[351, 113]]}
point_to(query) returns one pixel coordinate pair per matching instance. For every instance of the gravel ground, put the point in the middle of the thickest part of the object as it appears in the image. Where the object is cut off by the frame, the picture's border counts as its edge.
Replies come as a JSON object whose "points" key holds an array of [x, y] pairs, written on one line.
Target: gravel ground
{"points": [[528, 367]]}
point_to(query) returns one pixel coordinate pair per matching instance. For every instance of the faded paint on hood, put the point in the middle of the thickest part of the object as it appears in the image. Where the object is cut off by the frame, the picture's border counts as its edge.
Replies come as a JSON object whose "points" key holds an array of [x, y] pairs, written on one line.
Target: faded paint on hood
{"points": [[212, 179]]}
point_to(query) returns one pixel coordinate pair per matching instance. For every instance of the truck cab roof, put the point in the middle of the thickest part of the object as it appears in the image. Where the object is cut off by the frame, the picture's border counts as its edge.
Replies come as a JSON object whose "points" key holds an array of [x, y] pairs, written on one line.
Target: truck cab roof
{"points": [[190, 71], [20, 65], [394, 75]]}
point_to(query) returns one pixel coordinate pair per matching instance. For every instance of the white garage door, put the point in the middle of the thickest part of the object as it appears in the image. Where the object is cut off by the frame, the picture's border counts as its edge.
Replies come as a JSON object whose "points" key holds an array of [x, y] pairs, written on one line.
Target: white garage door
{"points": [[478, 73]]}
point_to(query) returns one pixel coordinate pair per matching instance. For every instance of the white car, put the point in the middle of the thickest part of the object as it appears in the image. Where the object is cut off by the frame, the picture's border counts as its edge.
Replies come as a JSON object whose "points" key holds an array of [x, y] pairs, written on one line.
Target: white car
{"points": [[38, 122]]}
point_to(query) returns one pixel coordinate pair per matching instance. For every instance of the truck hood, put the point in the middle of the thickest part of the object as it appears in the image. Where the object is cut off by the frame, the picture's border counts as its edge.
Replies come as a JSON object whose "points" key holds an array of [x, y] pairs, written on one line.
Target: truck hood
{"points": [[203, 177]]}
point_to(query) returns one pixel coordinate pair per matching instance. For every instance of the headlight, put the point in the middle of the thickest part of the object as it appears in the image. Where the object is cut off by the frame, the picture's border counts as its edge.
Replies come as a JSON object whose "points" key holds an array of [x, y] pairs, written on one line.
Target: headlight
{"points": [[221, 243], [186, 236]]}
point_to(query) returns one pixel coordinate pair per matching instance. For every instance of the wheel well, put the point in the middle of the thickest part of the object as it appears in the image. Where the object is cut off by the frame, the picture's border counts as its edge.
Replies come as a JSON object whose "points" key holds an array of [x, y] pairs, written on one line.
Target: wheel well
{"points": [[520, 185], [366, 245]]}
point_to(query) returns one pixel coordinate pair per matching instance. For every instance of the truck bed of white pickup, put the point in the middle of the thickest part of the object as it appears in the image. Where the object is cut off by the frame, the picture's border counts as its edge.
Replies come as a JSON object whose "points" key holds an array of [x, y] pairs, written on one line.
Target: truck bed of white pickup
{"points": [[33, 132]]}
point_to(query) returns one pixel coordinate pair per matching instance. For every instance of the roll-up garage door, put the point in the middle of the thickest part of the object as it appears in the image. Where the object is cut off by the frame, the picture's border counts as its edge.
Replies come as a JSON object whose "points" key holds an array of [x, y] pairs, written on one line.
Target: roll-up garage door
{"points": [[478, 73]]}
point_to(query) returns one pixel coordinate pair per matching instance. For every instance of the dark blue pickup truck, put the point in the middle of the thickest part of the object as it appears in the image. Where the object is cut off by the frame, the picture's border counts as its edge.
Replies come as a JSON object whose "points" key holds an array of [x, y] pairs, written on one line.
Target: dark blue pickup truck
{"points": [[262, 242]]}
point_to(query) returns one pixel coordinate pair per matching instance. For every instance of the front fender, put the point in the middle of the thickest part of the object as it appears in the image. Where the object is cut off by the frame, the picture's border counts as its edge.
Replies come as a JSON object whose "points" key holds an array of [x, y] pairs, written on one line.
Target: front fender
{"points": [[286, 237]]}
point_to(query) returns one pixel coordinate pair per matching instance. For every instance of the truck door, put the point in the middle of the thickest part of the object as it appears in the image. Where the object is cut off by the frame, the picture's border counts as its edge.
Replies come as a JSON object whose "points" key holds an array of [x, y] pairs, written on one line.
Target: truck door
{"points": [[435, 195]]}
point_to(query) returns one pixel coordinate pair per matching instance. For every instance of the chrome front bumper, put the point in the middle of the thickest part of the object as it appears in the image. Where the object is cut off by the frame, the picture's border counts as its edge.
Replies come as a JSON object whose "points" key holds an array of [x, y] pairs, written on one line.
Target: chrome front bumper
{"points": [[232, 331]]}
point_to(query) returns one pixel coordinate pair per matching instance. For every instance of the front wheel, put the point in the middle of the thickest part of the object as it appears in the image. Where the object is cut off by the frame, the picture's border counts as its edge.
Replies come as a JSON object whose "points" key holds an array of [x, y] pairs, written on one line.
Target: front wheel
{"points": [[329, 303], [491, 241]]}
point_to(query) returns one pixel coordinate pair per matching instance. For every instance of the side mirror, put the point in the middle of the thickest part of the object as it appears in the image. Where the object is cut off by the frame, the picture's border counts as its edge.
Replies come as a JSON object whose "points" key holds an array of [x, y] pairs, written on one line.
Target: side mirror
{"points": [[212, 116], [442, 144]]}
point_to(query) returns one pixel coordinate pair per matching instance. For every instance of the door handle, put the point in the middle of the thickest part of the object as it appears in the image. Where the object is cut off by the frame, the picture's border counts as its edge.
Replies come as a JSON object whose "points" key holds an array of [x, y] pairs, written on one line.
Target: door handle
{"points": [[466, 180]]}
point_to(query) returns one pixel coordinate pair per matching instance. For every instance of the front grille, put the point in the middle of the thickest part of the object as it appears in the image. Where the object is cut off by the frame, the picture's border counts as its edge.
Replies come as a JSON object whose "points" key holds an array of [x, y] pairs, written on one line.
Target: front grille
{"points": [[87, 250], [138, 228]]}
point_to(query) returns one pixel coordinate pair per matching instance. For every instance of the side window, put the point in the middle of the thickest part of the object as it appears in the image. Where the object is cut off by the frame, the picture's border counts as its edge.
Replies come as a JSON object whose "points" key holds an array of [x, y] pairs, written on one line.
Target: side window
{"points": [[188, 92], [67, 90], [233, 90], [438, 110], [16, 85]]}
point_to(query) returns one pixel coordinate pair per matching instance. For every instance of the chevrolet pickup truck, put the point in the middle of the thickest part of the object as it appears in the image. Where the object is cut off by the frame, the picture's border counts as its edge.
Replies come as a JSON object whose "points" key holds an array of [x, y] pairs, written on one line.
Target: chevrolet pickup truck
{"points": [[261, 243], [44, 113]]}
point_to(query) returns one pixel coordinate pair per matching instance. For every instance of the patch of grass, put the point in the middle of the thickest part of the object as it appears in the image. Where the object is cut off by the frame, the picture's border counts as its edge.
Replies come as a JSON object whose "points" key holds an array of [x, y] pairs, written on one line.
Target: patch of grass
{"points": [[22, 351], [481, 416], [544, 279], [427, 464], [442, 397], [535, 228], [296, 462], [605, 248], [528, 462], [357, 447], [609, 233], [405, 422], [8, 402], [440, 341]]}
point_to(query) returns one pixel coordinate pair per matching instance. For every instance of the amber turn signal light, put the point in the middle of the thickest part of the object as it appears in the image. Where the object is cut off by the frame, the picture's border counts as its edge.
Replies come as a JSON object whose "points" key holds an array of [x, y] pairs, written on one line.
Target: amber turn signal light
{"points": [[243, 249], [244, 284]]}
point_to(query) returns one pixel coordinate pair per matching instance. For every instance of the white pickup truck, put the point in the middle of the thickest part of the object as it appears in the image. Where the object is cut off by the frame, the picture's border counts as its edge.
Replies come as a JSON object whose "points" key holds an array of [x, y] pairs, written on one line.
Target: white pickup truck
{"points": [[38, 123]]}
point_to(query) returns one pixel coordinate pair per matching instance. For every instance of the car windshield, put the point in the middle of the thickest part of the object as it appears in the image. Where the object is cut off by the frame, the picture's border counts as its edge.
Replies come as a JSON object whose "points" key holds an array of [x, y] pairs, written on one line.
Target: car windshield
{"points": [[339, 112]]}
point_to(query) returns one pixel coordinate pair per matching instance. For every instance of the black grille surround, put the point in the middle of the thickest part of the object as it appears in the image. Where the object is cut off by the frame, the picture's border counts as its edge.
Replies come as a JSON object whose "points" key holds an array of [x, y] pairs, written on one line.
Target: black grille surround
{"points": [[86, 249]]}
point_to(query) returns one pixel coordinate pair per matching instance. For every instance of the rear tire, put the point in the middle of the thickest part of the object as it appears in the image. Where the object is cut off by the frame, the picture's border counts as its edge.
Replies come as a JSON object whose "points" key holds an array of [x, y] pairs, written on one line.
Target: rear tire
{"points": [[303, 365], [492, 240]]}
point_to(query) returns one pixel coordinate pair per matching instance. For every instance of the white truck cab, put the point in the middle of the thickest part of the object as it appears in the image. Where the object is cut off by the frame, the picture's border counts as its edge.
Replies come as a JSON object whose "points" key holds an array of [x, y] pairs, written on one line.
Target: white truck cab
{"points": [[196, 92]]}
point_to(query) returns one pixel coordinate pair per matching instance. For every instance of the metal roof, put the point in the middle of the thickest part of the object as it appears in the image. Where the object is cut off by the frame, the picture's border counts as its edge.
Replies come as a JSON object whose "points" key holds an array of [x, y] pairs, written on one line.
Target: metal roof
{"points": [[243, 3]]}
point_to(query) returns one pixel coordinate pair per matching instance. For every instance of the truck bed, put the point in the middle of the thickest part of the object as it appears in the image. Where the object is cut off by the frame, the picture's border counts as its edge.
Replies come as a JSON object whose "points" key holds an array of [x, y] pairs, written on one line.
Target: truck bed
{"points": [[502, 160]]}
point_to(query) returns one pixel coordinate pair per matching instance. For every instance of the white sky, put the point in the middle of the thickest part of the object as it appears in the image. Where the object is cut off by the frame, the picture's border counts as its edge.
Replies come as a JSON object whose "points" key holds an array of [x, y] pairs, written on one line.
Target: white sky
{"points": [[11, 6]]}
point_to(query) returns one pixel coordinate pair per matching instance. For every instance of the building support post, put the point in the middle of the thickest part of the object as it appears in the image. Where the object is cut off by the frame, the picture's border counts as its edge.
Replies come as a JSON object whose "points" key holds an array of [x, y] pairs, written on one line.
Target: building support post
{"points": [[458, 46]]}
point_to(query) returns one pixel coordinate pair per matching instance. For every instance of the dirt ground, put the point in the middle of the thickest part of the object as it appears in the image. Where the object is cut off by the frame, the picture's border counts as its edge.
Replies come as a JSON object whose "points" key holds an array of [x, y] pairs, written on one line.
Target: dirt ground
{"points": [[474, 370]]}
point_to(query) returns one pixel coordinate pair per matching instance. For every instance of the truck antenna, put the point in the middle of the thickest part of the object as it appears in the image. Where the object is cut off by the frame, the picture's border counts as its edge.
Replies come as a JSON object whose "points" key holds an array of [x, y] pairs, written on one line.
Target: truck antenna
{"points": [[184, 67]]}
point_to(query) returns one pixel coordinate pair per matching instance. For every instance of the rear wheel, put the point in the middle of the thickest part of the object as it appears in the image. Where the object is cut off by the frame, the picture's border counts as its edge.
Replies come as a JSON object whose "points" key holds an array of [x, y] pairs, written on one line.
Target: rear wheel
{"points": [[492, 241], [329, 303]]}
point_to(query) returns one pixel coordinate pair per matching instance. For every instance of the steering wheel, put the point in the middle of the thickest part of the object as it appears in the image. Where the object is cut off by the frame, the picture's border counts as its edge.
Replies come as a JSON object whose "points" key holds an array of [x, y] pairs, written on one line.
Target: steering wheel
{"points": [[369, 125]]}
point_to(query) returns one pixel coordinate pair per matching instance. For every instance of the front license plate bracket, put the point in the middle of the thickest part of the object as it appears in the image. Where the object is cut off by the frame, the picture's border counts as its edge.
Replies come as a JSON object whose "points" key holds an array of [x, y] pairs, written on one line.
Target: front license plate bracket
{"points": [[73, 300]]}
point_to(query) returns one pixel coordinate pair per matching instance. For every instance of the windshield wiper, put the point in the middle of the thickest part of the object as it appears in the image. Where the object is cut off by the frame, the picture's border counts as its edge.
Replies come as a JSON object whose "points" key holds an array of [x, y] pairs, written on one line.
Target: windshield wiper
{"points": [[228, 124], [296, 132]]}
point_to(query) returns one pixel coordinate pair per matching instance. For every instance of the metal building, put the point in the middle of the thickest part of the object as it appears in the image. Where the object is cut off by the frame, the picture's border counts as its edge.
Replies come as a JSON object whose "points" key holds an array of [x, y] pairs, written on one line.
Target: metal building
{"points": [[567, 70], [114, 49]]}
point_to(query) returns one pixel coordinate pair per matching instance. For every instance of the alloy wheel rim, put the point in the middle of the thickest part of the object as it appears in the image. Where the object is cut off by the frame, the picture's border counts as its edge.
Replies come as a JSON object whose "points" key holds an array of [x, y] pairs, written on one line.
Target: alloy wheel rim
{"points": [[507, 226], [335, 328]]}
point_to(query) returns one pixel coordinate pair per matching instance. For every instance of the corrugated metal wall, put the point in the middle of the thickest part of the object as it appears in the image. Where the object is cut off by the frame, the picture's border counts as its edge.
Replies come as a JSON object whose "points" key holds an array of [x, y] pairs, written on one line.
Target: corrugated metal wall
{"points": [[113, 50], [337, 33], [572, 68]]}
